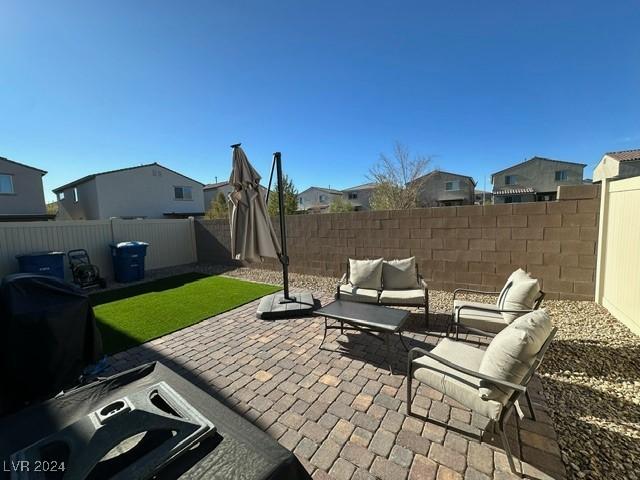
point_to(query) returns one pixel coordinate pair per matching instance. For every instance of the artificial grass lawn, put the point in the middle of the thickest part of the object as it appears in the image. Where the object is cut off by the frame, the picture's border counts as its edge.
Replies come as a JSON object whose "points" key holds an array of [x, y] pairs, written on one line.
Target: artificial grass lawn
{"points": [[133, 315]]}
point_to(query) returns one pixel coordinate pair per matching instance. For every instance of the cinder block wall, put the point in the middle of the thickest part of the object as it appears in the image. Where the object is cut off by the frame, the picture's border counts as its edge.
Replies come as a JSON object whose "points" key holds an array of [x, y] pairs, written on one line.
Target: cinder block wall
{"points": [[469, 246]]}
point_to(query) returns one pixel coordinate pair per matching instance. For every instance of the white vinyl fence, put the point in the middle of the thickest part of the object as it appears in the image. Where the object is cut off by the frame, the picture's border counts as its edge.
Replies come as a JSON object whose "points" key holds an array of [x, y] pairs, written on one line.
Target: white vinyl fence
{"points": [[172, 241], [617, 276]]}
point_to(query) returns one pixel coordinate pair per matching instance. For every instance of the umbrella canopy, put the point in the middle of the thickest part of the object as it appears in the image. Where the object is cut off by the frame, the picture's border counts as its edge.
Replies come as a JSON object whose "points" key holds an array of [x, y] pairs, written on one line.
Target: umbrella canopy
{"points": [[253, 237]]}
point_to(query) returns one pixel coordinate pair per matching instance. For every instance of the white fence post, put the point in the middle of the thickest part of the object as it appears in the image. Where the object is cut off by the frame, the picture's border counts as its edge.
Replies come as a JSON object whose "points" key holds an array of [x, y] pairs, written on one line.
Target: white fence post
{"points": [[602, 239]]}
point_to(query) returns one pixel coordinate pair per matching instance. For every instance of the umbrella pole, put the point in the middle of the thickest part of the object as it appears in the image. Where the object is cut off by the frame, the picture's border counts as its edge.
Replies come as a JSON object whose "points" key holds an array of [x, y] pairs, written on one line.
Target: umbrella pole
{"points": [[284, 258]]}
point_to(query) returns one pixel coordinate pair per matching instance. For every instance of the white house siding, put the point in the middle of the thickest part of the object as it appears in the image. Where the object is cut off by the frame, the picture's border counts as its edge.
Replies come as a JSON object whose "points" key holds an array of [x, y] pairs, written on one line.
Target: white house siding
{"points": [[86, 208], [28, 196], [146, 192], [316, 198]]}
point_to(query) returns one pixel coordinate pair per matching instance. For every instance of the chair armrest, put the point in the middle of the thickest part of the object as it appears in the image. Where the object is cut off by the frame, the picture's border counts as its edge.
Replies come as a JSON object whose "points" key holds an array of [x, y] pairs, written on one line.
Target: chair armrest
{"points": [[491, 310], [469, 290], [342, 281], [475, 330], [422, 282], [458, 368]]}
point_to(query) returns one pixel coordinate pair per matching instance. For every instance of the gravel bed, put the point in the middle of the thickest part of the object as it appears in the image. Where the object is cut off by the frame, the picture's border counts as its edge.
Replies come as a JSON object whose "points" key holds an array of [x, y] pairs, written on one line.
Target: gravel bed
{"points": [[591, 378]]}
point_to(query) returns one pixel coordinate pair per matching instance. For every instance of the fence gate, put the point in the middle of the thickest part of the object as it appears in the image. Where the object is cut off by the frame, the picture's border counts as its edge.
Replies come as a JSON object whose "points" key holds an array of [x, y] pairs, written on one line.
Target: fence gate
{"points": [[618, 270]]}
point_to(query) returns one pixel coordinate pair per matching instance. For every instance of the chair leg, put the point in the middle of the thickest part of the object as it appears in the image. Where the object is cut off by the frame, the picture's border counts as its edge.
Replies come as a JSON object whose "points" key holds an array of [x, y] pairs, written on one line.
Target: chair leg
{"points": [[409, 379], [507, 447], [533, 413]]}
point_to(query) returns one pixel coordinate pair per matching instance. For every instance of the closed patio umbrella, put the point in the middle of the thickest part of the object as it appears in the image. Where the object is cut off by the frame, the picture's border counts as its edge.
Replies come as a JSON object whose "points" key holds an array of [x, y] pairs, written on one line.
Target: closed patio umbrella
{"points": [[253, 237]]}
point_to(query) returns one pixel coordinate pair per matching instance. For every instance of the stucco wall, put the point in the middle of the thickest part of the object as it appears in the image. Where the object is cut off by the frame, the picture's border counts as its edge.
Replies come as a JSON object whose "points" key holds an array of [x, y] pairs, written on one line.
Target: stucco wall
{"points": [[469, 246], [86, 208], [143, 192], [433, 193], [363, 202], [28, 196], [311, 198], [540, 175]]}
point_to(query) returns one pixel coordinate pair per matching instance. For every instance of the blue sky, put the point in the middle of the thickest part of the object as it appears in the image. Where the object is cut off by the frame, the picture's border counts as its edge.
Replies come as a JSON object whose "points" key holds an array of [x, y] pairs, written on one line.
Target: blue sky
{"points": [[88, 86]]}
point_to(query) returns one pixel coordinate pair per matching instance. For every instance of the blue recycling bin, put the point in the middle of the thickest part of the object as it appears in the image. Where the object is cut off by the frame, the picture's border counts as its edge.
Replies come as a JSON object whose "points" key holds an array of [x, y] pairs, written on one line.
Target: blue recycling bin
{"points": [[128, 260], [43, 263]]}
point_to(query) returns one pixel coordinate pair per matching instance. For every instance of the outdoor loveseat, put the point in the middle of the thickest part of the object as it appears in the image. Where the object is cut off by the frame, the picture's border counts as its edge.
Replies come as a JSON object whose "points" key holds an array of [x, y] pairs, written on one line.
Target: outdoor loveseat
{"points": [[489, 382], [393, 283]]}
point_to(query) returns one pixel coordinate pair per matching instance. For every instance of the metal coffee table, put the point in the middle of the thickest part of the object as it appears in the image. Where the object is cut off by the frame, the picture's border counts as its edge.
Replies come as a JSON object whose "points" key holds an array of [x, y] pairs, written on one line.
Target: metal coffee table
{"points": [[366, 318]]}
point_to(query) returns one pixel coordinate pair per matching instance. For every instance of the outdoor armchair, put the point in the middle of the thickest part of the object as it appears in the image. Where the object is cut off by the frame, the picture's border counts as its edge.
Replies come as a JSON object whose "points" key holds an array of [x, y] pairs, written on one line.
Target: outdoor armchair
{"points": [[489, 382], [487, 318]]}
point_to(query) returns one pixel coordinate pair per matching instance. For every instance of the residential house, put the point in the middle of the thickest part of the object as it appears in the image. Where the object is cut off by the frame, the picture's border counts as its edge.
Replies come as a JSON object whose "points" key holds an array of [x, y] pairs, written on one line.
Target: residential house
{"points": [[360, 196], [441, 189], [483, 198], [317, 199], [618, 165], [212, 190], [21, 192], [146, 191], [536, 179]]}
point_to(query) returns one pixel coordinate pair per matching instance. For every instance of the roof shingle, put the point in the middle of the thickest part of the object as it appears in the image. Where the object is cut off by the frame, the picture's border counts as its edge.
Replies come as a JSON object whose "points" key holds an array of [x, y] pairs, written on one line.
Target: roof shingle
{"points": [[625, 155]]}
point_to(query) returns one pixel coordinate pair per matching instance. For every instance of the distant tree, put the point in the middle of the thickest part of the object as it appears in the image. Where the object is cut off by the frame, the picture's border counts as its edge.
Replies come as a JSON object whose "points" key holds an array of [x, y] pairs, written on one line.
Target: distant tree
{"points": [[219, 207], [398, 179], [340, 205], [52, 208], [290, 198]]}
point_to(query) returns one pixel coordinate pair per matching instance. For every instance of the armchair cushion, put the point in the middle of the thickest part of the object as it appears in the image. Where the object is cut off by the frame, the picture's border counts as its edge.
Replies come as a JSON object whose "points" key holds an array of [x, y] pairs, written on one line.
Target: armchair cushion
{"points": [[366, 273], [511, 353], [492, 322], [461, 387], [399, 274], [515, 276], [408, 297], [520, 295], [355, 294]]}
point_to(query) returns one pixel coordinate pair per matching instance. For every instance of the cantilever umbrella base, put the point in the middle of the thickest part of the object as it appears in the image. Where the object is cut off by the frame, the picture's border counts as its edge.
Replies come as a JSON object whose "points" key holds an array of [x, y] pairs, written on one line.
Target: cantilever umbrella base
{"points": [[273, 307]]}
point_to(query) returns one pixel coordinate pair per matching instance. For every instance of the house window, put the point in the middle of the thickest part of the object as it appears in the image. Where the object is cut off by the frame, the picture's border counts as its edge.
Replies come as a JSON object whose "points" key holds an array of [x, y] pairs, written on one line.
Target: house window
{"points": [[6, 184], [510, 180], [561, 175], [513, 199], [61, 196], [182, 193], [352, 196], [322, 198], [75, 194], [300, 200], [452, 186]]}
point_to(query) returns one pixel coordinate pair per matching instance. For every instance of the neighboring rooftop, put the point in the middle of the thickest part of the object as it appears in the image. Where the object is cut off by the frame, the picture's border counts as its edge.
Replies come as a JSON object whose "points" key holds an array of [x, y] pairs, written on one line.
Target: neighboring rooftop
{"points": [[625, 155], [209, 186], [323, 189], [514, 191], [42, 172], [94, 175], [364, 186], [433, 172], [533, 159]]}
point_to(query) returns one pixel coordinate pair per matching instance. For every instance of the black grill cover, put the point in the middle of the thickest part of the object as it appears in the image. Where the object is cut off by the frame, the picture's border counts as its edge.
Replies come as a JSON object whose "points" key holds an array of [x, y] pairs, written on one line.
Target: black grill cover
{"points": [[48, 335]]}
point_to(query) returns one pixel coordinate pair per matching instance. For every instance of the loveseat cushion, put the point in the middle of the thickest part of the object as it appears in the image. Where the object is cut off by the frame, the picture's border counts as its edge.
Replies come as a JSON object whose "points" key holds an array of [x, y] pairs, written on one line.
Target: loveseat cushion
{"points": [[403, 297], [399, 274], [512, 352], [366, 273], [355, 294], [459, 386]]}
